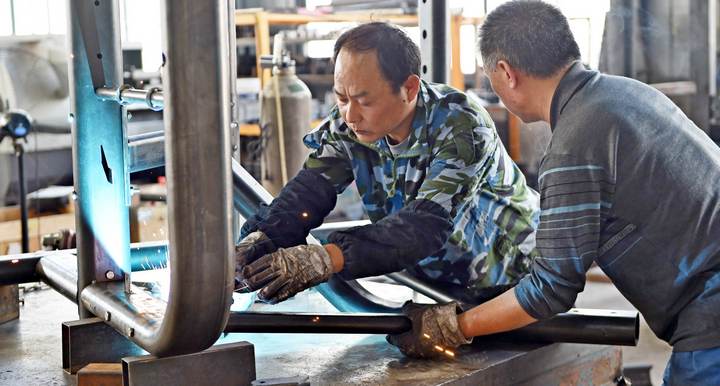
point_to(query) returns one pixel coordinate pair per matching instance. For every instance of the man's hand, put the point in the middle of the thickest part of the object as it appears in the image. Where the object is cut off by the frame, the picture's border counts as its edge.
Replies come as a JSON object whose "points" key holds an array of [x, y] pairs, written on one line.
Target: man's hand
{"points": [[287, 271], [252, 247], [435, 331]]}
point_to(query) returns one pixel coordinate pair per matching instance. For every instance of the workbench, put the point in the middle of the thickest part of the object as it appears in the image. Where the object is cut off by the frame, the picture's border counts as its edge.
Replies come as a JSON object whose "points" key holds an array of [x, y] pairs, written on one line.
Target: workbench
{"points": [[30, 353]]}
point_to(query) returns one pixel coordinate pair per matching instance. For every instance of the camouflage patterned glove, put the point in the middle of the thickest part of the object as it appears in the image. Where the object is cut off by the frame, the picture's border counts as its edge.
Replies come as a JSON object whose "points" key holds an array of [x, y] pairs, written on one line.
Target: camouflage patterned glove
{"points": [[249, 249], [287, 271], [435, 331]]}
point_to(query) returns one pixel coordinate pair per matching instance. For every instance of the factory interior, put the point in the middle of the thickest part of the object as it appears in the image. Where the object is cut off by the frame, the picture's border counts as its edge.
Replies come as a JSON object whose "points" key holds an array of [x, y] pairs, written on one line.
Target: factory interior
{"points": [[143, 141]]}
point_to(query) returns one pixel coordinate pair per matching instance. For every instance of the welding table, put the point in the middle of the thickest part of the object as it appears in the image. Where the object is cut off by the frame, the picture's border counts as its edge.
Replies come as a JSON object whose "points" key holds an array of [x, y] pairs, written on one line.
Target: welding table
{"points": [[30, 353]]}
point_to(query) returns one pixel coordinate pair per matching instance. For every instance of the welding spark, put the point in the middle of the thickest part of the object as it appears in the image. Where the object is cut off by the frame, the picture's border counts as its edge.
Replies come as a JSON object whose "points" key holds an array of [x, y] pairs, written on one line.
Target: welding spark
{"points": [[15, 261], [439, 348], [426, 336], [450, 353], [316, 319], [305, 214]]}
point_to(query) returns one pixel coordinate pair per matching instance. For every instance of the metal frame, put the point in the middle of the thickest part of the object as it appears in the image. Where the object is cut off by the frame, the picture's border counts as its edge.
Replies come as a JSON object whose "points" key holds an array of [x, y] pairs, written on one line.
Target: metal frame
{"points": [[434, 23], [197, 116]]}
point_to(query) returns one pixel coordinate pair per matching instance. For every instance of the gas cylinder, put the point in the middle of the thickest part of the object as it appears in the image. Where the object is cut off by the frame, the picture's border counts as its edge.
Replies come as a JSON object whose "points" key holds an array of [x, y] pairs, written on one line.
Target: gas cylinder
{"points": [[286, 90]]}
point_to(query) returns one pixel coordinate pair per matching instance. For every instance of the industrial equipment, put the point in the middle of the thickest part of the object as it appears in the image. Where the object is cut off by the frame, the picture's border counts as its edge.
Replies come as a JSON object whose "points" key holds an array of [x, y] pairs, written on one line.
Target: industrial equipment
{"points": [[285, 113], [16, 124]]}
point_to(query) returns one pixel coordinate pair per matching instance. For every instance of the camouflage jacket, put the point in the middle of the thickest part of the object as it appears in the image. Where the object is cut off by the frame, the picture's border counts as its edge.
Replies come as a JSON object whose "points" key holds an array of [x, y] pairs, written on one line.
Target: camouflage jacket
{"points": [[455, 159]]}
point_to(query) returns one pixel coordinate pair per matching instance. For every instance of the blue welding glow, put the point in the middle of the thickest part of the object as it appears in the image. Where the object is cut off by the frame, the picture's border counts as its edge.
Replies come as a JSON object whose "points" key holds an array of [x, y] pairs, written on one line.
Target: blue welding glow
{"points": [[101, 186]]}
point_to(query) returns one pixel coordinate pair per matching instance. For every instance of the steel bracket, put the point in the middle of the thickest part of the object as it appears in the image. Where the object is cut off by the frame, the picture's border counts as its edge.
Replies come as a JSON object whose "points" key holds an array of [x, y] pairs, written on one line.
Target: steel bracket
{"points": [[225, 364], [90, 340]]}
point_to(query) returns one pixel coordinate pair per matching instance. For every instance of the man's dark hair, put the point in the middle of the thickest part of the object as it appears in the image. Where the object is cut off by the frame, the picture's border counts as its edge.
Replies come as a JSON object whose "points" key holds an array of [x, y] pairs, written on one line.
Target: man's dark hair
{"points": [[397, 55], [532, 36]]}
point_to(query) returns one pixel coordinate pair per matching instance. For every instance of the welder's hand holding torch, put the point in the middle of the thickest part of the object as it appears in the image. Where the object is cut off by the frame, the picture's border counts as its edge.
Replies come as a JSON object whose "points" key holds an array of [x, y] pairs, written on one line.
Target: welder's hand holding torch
{"points": [[282, 274], [435, 331], [251, 248]]}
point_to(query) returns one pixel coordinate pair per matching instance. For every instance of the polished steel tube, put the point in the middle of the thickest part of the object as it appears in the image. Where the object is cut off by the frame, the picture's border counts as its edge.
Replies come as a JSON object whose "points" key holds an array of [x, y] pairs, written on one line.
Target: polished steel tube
{"points": [[153, 98], [197, 150]]}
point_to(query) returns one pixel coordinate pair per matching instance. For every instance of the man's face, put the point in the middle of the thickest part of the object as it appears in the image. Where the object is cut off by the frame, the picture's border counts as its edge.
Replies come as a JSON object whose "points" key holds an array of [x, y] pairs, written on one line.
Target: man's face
{"points": [[366, 100], [513, 95]]}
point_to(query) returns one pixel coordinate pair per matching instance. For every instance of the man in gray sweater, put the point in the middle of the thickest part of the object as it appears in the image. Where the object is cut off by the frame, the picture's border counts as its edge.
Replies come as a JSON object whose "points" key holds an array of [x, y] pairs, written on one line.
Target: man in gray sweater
{"points": [[628, 182]]}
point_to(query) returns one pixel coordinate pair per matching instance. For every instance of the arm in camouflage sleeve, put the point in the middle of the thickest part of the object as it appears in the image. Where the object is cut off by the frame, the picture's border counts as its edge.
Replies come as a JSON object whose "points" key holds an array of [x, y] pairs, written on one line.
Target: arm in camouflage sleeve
{"points": [[423, 226], [306, 199]]}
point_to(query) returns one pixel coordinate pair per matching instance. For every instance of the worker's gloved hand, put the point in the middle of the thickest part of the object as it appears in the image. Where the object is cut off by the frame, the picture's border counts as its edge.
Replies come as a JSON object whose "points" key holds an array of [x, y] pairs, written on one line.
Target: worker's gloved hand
{"points": [[435, 331], [287, 271], [252, 247]]}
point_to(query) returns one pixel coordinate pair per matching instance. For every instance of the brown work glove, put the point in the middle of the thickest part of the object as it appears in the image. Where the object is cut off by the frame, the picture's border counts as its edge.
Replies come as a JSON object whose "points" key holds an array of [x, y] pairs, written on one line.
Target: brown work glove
{"points": [[287, 271], [252, 247], [435, 331]]}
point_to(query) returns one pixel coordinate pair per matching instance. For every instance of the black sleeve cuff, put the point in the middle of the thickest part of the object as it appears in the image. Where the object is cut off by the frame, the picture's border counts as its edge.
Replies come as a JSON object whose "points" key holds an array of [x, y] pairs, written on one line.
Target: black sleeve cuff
{"points": [[397, 241], [301, 206]]}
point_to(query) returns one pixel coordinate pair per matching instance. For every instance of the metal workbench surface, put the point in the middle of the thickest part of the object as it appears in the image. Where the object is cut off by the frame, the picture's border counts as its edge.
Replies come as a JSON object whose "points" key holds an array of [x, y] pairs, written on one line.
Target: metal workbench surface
{"points": [[30, 354]]}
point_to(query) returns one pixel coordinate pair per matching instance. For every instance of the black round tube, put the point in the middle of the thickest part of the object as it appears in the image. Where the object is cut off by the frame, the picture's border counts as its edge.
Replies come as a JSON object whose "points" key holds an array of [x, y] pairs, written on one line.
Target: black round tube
{"points": [[18, 269], [610, 328], [272, 322], [20, 153], [596, 327]]}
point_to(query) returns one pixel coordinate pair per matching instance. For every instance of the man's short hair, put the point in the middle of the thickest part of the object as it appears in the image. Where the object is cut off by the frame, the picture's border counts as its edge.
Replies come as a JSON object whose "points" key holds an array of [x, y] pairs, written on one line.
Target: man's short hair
{"points": [[532, 36], [397, 55]]}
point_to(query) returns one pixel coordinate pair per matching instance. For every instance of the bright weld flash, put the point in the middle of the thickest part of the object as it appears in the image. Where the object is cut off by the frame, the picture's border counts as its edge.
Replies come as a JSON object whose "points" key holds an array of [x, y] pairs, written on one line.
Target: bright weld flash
{"points": [[450, 353], [439, 348], [426, 336], [305, 214], [15, 261], [316, 319]]}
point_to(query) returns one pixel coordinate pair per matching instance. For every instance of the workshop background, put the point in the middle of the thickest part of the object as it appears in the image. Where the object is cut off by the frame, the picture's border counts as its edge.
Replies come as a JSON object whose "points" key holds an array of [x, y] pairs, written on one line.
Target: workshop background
{"points": [[671, 45]]}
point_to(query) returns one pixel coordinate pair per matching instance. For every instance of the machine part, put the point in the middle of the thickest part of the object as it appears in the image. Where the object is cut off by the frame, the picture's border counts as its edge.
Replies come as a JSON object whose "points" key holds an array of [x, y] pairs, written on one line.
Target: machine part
{"points": [[608, 327], [32, 267], [577, 326], [93, 341], [297, 323], [197, 170], [9, 303], [226, 364], [639, 374], [126, 95], [434, 21], [62, 239], [299, 380], [16, 124], [99, 140], [147, 153], [285, 115]]}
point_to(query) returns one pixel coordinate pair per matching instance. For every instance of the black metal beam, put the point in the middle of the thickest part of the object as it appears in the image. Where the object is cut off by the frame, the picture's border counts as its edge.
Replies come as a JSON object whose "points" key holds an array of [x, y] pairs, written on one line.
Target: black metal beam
{"points": [[578, 326]]}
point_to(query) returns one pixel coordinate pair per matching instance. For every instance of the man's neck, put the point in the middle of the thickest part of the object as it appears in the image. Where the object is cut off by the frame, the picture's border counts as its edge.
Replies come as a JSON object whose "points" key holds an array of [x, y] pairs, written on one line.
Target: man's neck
{"points": [[402, 131], [545, 88]]}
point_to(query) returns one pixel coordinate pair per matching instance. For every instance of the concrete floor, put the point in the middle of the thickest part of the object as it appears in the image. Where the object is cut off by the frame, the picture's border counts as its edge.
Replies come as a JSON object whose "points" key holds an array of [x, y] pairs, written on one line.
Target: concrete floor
{"points": [[30, 349]]}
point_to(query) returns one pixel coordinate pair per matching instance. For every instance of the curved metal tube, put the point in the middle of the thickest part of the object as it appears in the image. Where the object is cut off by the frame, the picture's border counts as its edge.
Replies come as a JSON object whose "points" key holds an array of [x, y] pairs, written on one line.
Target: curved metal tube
{"points": [[197, 147]]}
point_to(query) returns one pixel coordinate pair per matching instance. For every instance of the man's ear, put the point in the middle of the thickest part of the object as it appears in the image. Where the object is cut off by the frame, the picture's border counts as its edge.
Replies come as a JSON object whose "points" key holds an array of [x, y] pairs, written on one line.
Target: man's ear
{"points": [[509, 75], [411, 87]]}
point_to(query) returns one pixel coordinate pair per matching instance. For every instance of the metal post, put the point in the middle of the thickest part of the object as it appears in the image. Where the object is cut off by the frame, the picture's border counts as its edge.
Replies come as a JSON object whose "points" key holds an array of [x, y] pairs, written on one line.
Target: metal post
{"points": [[99, 140], [434, 20], [20, 154]]}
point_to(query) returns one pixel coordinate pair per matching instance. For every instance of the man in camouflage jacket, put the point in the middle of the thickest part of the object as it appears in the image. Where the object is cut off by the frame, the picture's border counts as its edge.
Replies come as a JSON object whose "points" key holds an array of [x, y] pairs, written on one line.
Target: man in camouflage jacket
{"points": [[445, 200]]}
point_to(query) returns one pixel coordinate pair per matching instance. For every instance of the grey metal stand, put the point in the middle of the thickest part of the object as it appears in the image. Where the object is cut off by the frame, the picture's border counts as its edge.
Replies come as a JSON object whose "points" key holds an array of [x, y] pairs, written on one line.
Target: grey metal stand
{"points": [[225, 364]]}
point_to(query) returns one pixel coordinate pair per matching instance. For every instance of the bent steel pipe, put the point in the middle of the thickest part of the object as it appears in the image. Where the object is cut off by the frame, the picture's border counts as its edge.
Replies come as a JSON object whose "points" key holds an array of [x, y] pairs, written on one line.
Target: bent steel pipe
{"points": [[197, 147]]}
